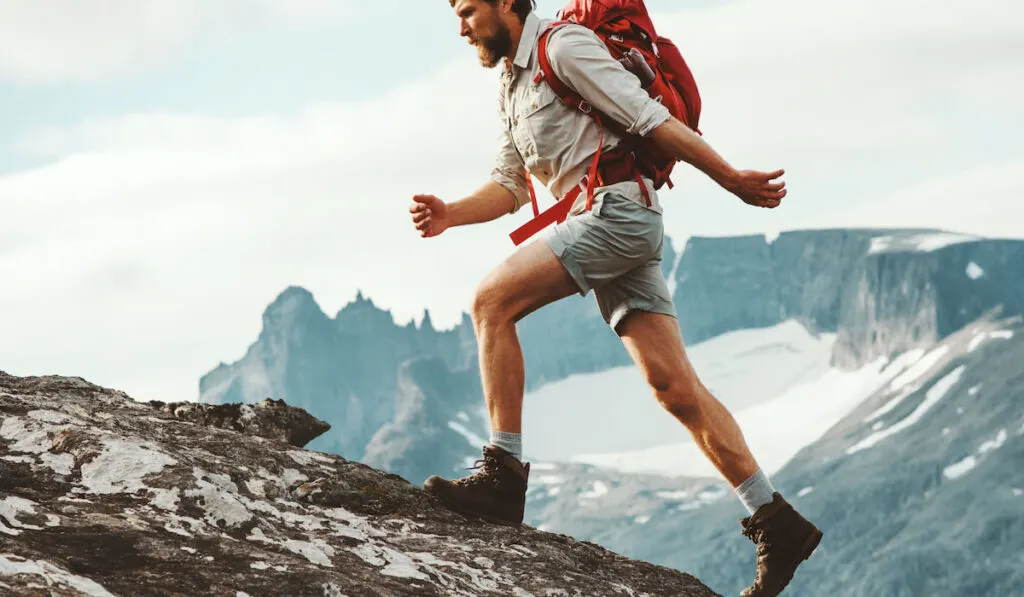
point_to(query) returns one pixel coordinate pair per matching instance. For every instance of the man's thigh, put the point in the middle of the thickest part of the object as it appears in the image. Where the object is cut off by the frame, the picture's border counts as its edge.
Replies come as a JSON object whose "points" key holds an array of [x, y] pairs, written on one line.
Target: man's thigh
{"points": [[641, 289], [598, 247], [527, 280]]}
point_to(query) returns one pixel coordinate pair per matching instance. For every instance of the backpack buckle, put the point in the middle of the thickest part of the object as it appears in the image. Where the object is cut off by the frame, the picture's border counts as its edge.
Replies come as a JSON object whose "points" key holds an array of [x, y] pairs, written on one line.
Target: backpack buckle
{"points": [[584, 107]]}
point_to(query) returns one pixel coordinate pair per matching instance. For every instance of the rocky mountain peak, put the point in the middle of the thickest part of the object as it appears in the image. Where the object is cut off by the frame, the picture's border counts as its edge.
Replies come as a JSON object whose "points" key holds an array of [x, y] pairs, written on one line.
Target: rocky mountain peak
{"points": [[294, 306]]}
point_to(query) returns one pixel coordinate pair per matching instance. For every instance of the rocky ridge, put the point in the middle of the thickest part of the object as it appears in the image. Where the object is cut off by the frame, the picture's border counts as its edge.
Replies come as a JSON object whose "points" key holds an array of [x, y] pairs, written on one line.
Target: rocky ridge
{"points": [[101, 495]]}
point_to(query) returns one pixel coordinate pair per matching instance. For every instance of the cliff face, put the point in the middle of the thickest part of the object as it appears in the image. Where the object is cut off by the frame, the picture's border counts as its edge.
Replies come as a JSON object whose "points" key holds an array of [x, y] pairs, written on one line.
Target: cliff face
{"points": [[882, 292], [896, 300], [103, 496]]}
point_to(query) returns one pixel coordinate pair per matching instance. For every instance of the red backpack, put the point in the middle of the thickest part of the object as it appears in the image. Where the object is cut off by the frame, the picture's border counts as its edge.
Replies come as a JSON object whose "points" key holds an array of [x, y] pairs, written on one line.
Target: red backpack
{"points": [[626, 29]]}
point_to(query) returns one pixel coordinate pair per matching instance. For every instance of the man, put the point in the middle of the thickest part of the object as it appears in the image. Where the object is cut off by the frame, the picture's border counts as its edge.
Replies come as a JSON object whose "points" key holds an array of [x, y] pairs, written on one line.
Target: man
{"points": [[613, 249]]}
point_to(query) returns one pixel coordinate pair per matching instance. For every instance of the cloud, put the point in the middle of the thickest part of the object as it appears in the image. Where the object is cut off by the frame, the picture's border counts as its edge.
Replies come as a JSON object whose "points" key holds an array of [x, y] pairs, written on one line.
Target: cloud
{"points": [[50, 41], [148, 245]]}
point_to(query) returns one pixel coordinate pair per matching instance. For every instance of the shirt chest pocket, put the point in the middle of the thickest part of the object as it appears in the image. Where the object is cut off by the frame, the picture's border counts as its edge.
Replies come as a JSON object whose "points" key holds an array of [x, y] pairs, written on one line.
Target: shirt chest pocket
{"points": [[536, 125]]}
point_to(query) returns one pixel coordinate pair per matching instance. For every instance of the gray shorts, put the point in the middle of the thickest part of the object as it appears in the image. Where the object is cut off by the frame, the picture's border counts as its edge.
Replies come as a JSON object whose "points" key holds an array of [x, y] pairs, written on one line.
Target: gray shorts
{"points": [[615, 250]]}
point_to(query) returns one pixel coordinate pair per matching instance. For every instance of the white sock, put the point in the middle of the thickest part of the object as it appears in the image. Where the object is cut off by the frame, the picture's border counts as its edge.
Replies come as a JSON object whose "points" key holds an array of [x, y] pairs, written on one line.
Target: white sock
{"points": [[512, 442], [756, 491]]}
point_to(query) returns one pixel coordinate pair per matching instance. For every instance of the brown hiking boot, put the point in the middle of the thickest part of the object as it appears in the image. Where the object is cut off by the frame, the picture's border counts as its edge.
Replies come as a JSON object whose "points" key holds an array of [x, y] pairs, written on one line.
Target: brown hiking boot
{"points": [[496, 493], [784, 540]]}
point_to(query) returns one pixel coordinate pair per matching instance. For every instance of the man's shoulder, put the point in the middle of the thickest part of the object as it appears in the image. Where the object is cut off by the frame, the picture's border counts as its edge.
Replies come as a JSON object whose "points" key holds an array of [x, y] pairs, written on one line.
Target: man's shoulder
{"points": [[568, 36]]}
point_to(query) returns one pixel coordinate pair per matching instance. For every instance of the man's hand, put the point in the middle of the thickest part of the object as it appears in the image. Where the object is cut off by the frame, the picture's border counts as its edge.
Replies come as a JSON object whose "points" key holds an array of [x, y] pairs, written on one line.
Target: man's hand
{"points": [[429, 214], [757, 188]]}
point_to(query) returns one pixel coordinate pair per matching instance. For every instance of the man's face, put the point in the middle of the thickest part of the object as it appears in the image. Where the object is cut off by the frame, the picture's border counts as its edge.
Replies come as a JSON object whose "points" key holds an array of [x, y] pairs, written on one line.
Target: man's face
{"points": [[481, 24]]}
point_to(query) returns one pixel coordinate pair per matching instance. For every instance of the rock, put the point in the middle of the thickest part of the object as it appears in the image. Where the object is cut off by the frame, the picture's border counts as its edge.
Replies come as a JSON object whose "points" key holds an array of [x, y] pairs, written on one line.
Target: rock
{"points": [[101, 495], [272, 419]]}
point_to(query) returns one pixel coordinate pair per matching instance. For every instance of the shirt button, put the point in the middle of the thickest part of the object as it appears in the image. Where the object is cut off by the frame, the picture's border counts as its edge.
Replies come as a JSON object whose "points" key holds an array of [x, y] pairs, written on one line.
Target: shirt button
{"points": [[515, 122]]}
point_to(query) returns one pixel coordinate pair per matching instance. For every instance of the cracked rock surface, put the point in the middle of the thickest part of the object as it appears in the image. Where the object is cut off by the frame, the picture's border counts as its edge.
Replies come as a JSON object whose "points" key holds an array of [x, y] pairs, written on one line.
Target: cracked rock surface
{"points": [[101, 495]]}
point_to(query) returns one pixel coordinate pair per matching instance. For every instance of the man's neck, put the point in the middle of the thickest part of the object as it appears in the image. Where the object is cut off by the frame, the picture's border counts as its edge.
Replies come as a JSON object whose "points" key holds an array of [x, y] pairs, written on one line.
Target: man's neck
{"points": [[515, 31]]}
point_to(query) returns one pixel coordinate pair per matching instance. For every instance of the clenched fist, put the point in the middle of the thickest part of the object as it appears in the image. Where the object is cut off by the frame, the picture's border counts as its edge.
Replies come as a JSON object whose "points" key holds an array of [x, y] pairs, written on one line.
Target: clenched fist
{"points": [[429, 215]]}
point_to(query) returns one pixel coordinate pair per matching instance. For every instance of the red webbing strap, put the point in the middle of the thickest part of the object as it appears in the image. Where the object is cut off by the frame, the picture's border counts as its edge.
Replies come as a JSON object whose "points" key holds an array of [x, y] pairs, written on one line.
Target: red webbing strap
{"points": [[556, 213], [568, 96], [533, 194], [560, 210], [592, 173], [643, 189]]}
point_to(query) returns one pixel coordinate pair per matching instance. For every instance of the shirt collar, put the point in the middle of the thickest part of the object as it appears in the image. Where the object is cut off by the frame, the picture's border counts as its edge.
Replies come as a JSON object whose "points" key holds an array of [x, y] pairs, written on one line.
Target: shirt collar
{"points": [[528, 41]]}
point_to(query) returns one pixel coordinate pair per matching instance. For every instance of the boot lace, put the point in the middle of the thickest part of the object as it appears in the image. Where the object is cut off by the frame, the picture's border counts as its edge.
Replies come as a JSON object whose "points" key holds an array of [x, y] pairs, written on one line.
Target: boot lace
{"points": [[487, 472], [760, 539]]}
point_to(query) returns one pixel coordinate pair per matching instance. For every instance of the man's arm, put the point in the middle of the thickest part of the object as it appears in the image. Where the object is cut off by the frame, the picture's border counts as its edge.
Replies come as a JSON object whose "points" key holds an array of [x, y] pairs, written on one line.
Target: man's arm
{"points": [[679, 140], [489, 202], [582, 61], [504, 193], [754, 188]]}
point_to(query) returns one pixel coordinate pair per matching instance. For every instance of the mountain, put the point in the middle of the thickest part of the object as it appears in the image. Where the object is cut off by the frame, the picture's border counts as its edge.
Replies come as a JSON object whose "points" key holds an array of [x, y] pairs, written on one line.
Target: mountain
{"points": [[797, 335], [101, 495], [918, 489], [881, 291], [437, 411], [344, 368]]}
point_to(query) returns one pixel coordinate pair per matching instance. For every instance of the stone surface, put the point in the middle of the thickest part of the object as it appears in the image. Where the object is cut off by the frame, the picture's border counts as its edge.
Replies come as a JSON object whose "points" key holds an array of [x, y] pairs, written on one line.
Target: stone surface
{"points": [[101, 495]]}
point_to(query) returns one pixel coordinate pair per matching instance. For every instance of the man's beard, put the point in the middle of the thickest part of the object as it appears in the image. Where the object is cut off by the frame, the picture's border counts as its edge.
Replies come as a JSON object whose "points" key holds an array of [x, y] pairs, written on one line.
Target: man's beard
{"points": [[494, 48]]}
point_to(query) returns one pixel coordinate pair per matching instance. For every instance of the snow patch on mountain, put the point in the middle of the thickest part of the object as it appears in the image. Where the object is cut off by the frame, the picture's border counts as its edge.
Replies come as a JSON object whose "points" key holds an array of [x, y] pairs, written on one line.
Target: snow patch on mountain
{"points": [[922, 243], [932, 397], [776, 429], [615, 410]]}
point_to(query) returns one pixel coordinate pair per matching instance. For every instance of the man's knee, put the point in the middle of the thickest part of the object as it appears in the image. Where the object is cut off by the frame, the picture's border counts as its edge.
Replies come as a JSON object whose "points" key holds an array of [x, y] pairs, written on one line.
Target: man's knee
{"points": [[489, 301], [677, 392]]}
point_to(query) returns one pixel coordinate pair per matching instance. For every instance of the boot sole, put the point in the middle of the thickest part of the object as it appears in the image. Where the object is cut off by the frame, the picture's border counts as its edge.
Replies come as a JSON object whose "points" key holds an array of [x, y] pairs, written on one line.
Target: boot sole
{"points": [[470, 513]]}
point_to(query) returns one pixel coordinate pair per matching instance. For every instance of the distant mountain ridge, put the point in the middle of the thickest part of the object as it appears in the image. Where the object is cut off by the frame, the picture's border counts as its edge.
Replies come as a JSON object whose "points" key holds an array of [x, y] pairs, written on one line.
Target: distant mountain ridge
{"points": [[881, 291]]}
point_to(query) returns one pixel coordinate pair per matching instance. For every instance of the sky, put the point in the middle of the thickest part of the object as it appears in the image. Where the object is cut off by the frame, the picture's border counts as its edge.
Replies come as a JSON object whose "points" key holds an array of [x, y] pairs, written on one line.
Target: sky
{"points": [[168, 167]]}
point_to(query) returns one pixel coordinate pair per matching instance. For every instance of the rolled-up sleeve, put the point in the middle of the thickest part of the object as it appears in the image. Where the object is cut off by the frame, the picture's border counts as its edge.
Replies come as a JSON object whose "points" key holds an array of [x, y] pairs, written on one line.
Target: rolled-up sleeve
{"points": [[509, 170], [581, 60]]}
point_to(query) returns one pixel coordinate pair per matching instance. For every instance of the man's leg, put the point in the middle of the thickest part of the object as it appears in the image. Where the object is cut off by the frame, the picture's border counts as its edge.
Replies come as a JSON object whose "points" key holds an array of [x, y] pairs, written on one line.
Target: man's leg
{"points": [[783, 537], [529, 279], [656, 346]]}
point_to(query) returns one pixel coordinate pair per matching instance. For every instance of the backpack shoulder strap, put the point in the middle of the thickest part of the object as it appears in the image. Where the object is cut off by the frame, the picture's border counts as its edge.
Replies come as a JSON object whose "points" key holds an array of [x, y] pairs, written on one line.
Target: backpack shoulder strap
{"points": [[565, 93]]}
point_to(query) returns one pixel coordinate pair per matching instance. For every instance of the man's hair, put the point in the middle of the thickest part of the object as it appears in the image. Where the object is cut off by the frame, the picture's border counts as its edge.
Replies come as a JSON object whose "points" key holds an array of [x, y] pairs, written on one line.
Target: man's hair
{"points": [[520, 7]]}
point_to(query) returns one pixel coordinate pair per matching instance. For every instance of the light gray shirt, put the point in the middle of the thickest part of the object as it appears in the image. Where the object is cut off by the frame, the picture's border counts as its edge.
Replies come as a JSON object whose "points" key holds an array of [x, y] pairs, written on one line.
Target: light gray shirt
{"points": [[555, 141]]}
